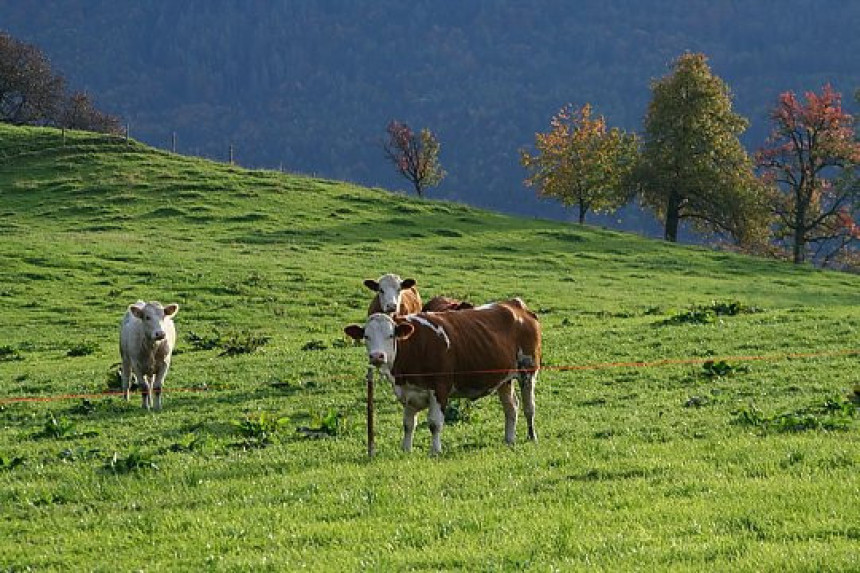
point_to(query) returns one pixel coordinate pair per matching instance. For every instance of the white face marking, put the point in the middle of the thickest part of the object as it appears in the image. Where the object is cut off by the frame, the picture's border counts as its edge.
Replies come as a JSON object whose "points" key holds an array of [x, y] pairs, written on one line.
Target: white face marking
{"points": [[379, 340], [153, 319], [439, 330], [389, 292]]}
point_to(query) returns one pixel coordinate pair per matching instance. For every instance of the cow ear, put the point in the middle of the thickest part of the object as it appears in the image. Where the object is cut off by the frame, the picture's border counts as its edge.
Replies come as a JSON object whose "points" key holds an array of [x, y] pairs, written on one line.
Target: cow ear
{"points": [[171, 309], [403, 330], [465, 305], [136, 310], [354, 331], [408, 283], [372, 285]]}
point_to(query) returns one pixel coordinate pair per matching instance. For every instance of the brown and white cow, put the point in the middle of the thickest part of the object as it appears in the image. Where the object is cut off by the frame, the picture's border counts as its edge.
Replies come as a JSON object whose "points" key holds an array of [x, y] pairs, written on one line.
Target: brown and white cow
{"points": [[431, 357], [393, 295], [445, 304]]}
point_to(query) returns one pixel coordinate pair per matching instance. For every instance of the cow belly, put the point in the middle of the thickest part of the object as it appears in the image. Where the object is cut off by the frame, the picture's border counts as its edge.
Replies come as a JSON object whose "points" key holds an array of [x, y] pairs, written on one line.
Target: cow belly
{"points": [[478, 389], [413, 396]]}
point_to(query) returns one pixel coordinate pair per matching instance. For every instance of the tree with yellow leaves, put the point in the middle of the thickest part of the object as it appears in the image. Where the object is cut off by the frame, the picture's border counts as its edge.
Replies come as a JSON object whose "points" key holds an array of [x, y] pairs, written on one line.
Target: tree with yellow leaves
{"points": [[581, 162]]}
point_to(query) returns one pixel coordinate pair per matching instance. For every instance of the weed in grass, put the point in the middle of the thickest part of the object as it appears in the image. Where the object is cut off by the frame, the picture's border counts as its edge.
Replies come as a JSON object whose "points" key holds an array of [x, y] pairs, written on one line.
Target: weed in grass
{"points": [[8, 353], [261, 430], [242, 343], [232, 344], [331, 423], [190, 443], [57, 427], [314, 345], [82, 349], [709, 314], [832, 414], [721, 369], [133, 462], [71, 455], [461, 411], [11, 462]]}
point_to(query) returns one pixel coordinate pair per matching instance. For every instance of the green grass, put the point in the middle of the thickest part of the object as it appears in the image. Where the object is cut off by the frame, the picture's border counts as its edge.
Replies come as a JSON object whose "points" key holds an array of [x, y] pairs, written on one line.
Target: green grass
{"points": [[746, 465]]}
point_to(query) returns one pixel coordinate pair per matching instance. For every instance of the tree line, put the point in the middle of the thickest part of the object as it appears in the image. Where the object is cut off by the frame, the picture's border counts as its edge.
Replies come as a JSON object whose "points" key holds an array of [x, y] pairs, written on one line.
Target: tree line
{"points": [[31, 93], [796, 197]]}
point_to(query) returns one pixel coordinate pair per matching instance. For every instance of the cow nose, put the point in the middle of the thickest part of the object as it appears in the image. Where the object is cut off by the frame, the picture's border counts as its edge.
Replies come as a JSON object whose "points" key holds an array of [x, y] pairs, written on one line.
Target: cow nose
{"points": [[390, 307], [160, 335], [377, 358]]}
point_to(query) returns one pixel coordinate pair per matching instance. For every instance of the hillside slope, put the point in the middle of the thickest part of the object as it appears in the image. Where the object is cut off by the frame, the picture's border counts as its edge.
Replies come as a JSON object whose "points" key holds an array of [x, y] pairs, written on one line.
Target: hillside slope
{"points": [[669, 465]]}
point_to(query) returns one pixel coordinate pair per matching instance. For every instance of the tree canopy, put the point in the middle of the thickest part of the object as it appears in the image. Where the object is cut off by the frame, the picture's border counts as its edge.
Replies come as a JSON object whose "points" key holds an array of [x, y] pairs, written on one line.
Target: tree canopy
{"points": [[693, 166], [810, 161], [581, 162]]}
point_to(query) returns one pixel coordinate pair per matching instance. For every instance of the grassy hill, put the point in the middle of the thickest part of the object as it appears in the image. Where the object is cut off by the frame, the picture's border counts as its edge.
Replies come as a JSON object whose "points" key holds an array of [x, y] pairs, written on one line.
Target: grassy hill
{"points": [[734, 464]]}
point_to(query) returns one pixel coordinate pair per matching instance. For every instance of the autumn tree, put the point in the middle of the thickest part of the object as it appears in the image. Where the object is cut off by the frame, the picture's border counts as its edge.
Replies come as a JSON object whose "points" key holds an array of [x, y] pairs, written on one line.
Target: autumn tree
{"points": [[693, 166], [30, 92], [581, 162], [78, 112], [810, 161], [416, 156]]}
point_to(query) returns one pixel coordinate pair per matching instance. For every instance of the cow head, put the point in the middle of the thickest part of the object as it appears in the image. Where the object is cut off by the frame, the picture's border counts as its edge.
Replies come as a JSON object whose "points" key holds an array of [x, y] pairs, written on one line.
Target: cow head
{"points": [[388, 289], [380, 334], [154, 317]]}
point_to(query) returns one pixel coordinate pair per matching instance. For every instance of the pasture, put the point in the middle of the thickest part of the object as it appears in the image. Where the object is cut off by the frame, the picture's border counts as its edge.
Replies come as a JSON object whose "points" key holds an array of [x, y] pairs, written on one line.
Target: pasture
{"points": [[257, 461]]}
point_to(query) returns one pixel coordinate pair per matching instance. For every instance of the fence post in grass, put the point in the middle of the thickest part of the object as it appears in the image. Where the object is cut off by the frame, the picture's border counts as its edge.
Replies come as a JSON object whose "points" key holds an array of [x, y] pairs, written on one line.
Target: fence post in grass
{"points": [[231, 154], [127, 131], [371, 445], [173, 142], [64, 136]]}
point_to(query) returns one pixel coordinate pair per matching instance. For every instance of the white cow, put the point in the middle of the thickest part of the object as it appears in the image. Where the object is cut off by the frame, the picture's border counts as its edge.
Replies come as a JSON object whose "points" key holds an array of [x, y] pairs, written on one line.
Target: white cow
{"points": [[146, 341]]}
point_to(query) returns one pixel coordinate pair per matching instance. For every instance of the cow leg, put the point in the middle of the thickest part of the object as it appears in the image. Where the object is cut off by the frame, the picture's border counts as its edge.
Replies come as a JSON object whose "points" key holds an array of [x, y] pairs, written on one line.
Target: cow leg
{"points": [[157, 383], [527, 389], [125, 375], [143, 380], [435, 419], [409, 416], [508, 397]]}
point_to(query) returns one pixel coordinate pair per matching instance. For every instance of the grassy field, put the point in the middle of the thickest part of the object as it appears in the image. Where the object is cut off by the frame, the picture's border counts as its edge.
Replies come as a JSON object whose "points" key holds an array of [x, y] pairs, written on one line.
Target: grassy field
{"points": [[742, 465]]}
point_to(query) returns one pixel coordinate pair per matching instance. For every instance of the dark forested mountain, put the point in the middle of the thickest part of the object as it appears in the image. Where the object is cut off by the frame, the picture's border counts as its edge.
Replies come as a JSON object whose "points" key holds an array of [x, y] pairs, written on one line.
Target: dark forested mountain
{"points": [[310, 86]]}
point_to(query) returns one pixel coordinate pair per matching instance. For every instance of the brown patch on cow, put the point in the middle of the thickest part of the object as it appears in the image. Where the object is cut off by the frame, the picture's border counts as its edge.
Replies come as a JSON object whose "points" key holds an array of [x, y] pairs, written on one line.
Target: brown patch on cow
{"points": [[445, 304], [480, 349]]}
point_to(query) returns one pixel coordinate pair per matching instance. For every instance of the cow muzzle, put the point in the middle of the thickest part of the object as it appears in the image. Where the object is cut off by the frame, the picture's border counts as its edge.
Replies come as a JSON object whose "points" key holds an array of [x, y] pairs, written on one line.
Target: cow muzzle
{"points": [[376, 359]]}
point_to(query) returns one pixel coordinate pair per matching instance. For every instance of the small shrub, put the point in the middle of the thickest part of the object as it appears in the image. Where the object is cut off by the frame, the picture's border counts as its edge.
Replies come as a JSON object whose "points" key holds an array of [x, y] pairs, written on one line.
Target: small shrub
{"points": [[133, 462], [82, 349], [8, 354]]}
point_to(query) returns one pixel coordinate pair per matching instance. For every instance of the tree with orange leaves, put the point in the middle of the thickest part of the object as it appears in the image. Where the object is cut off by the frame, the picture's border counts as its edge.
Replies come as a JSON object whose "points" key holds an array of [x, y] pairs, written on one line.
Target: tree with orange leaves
{"points": [[810, 163], [581, 162]]}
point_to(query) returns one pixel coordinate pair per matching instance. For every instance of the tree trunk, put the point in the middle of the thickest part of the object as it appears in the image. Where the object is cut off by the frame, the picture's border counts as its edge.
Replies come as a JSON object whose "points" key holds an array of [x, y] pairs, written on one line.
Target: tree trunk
{"points": [[672, 217], [582, 210], [418, 189], [799, 247]]}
